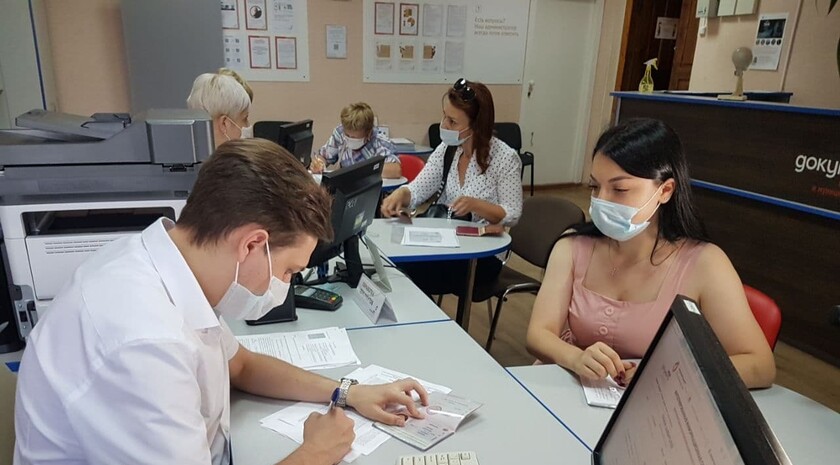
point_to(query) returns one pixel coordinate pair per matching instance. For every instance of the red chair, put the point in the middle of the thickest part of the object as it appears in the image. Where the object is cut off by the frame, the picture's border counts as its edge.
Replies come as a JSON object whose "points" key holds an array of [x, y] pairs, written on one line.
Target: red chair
{"points": [[766, 313], [411, 166]]}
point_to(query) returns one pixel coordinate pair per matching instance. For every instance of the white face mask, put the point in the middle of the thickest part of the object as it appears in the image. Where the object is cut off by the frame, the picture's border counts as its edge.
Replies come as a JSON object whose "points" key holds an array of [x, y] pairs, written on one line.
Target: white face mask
{"points": [[246, 132], [239, 303], [354, 143], [451, 137], [615, 219]]}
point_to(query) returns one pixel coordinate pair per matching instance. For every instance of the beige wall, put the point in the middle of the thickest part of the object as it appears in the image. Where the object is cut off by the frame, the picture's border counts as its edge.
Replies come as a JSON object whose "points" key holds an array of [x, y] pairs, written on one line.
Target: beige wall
{"points": [[808, 63], [609, 51], [91, 73]]}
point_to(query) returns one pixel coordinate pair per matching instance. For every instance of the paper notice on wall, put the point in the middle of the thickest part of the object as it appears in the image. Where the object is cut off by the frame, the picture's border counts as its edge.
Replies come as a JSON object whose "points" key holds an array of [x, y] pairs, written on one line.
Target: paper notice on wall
{"points": [[283, 16], [259, 50], [235, 54], [453, 61], [409, 19], [666, 28], [432, 20], [286, 50], [769, 40], [255, 15], [383, 55], [456, 20], [431, 57], [383, 18], [230, 14], [336, 41], [408, 56]]}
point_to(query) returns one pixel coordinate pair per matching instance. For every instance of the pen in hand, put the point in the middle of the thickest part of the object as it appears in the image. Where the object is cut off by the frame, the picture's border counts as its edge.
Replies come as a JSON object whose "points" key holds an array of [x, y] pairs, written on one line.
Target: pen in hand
{"points": [[333, 399]]}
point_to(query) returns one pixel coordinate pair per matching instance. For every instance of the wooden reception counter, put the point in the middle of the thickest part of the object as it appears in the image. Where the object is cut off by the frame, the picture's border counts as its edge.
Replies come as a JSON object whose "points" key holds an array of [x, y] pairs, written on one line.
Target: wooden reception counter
{"points": [[766, 177]]}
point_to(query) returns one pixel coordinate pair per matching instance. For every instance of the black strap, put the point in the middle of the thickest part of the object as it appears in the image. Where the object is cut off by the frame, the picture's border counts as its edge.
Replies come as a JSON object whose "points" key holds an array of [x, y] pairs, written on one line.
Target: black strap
{"points": [[448, 158]]}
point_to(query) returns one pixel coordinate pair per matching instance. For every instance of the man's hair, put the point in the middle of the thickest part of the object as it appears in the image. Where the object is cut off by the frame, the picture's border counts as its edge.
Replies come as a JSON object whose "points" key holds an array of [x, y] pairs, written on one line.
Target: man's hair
{"points": [[218, 95], [357, 117], [256, 181]]}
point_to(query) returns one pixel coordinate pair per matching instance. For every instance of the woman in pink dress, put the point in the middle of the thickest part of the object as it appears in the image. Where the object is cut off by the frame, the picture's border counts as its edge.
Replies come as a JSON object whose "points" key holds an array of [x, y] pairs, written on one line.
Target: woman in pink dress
{"points": [[610, 282]]}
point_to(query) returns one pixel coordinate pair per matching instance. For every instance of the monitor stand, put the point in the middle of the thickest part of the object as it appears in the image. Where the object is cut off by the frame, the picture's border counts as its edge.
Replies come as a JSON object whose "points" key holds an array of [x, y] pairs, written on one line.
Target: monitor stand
{"points": [[349, 272]]}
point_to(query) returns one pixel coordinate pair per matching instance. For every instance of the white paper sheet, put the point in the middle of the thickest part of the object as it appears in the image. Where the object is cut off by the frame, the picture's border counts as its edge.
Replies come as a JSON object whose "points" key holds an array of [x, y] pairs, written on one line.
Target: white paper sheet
{"points": [[429, 237], [283, 16], [286, 52], [289, 421], [317, 349], [336, 41], [260, 51], [453, 59], [432, 20], [456, 21]]}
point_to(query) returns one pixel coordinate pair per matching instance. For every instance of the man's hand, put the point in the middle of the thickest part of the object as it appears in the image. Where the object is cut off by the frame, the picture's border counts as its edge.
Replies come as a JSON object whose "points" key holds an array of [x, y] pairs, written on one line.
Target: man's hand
{"points": [[327, 438], [371, 400]]}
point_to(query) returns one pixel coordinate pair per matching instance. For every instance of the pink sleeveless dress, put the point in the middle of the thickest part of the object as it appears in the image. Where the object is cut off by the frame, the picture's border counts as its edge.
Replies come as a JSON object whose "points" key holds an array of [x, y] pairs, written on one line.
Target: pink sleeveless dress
{"points": [[627, 327]]}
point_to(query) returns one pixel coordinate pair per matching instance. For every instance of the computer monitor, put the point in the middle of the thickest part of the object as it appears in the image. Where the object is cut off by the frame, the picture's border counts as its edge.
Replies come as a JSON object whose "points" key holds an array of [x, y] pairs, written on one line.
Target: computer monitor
{"points": [[355, 190], [296, 137], [686, 404]]}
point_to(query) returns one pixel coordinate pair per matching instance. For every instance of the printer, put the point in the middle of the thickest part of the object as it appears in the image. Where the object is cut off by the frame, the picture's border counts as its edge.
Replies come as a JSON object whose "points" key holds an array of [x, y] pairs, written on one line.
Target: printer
{"points": [[71, 184]]}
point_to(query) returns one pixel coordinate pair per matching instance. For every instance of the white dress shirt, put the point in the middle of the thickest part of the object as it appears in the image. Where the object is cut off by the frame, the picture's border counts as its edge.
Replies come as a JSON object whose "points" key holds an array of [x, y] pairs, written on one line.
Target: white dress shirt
{"points": [[128, 365], [501, 184]]}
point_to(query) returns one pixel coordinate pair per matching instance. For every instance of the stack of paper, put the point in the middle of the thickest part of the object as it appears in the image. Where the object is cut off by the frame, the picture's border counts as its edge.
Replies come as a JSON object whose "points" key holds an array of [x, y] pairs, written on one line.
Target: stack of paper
{"points": [[318, 349], [289, 421], [602, 393], [429, 237]]}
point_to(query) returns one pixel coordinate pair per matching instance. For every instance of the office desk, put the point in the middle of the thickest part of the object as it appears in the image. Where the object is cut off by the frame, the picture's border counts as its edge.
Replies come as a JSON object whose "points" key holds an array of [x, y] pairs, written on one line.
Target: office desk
{"points": [[807, 430], [390, 185], [510, 428], [421, 151], [410, 305], [387, 233]]}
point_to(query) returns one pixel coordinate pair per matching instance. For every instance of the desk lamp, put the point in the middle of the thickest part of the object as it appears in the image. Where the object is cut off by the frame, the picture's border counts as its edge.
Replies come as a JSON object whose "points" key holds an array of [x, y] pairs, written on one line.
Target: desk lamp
{"points": [[741, 58]]}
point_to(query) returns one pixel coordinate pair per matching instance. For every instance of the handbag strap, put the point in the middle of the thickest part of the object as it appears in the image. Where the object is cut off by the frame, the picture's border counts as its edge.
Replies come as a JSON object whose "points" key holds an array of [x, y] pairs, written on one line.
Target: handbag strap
{"points": [[448, 158]]}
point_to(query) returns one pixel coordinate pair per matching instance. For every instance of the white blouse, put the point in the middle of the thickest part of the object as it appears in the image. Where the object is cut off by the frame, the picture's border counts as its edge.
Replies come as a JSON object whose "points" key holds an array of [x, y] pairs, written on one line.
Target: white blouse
{"points": [[500, 184]]}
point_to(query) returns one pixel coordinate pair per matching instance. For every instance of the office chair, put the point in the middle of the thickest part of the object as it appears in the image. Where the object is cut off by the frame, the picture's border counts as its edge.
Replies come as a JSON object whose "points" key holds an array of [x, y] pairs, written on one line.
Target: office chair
{"points": [[766, 313], [434, 135], [8, 382], [543, 221], [411, 166], [510, 134]]}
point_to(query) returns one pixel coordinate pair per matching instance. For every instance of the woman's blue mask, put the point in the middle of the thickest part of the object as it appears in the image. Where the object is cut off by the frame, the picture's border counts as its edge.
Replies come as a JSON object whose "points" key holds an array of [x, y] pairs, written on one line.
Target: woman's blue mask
{"points": [[615, 220]]}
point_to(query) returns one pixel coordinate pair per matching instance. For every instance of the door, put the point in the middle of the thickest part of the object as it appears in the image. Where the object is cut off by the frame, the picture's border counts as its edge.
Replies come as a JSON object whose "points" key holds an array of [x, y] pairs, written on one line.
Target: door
{"points": [[641, 44], [686, 42], [562, 48]]}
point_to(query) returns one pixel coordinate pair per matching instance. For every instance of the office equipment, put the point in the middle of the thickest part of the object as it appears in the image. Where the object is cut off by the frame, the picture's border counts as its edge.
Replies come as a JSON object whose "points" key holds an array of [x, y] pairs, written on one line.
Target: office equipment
{"points": [[355, 190], [317, 299], [282, 313], [296, 137], [443, 458], [686, 382], [72, 184]]}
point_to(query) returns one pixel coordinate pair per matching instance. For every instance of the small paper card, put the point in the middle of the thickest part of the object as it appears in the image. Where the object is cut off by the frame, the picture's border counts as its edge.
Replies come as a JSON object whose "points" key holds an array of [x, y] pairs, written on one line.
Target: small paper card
{"points": [[443, 416], [373, 302]]}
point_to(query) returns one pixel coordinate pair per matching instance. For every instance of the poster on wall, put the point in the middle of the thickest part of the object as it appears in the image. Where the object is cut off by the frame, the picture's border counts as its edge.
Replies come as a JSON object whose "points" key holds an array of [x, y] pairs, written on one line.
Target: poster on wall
{"points": [[266, 40], [441, 41], [769, 40]]}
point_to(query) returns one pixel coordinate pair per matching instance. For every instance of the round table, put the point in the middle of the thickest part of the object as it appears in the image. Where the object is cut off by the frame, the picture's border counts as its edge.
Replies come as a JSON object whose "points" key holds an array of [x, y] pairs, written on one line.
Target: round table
{"points": [[389, 185]]}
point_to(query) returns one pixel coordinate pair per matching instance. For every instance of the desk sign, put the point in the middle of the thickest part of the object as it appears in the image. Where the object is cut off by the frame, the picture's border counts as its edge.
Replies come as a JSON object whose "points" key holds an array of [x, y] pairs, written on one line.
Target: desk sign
{"points": [[373, 302]]}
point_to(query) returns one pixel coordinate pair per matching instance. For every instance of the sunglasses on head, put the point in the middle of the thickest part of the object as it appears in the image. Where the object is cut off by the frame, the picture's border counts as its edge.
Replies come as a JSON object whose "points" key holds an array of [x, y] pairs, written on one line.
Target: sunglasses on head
{"points": [[464, 90]]}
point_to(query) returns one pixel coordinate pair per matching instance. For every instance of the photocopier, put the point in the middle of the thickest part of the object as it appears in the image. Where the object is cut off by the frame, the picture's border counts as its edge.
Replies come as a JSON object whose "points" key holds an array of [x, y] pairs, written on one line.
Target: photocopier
{"points": [[70, 184]]}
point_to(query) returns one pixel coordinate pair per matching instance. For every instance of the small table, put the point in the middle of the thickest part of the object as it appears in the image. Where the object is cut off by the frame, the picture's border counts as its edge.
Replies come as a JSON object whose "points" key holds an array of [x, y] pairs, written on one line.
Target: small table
{"points": [[385, 233], [422, 151], [806, 429], [390, 185]]}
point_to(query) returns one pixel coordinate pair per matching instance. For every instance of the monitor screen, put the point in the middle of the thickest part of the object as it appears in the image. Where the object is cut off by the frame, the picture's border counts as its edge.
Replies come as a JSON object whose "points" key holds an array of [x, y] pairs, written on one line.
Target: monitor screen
{"points": [[296, 137], [355, 190], [687, 404]]}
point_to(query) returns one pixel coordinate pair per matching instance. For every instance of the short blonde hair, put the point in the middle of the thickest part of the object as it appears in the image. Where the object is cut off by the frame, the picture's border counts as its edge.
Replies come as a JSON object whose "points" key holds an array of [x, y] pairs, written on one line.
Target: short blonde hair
{"points": [[241, 80], [357, 117], [218, 94]]}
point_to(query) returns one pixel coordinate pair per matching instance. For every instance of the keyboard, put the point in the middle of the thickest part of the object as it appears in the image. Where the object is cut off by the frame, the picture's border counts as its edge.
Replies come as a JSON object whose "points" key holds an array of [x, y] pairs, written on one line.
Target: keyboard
{"points": [[448, 458]]}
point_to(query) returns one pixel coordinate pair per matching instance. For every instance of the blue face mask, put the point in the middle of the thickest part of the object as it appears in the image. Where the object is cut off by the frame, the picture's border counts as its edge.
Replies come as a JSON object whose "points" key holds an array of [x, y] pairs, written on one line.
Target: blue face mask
{"points": [[451, 136], [614, 219]]}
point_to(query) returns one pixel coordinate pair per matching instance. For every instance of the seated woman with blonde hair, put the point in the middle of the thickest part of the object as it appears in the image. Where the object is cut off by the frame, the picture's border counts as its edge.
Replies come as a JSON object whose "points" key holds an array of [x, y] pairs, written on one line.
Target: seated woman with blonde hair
{"points": [[226, 96]]}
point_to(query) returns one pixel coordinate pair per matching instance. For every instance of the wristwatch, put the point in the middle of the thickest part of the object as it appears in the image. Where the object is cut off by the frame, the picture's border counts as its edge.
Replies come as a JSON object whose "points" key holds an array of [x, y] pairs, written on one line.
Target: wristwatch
{"points": [[342, 391]]}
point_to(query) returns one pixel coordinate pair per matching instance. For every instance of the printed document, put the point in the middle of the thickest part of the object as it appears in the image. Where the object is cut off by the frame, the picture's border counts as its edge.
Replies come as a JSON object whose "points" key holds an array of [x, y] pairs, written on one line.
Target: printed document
{"points": [[317, 349]]}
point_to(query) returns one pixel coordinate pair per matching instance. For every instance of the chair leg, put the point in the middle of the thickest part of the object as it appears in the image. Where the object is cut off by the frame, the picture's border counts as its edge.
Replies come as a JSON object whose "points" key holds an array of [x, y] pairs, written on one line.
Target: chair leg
{"points": [[439, 300], [532, 180], [489, 310], [492, 335]]}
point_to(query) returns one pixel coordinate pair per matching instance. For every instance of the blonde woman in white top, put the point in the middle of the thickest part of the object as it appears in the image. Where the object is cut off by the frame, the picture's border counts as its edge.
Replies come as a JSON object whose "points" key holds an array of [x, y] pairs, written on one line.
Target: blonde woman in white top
{"points": [[227, 97], [483, 182]]}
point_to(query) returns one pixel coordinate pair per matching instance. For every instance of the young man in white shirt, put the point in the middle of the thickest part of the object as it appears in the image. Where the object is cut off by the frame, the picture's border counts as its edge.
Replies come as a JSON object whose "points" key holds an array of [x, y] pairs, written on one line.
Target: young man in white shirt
{"points": [[132, 364]]}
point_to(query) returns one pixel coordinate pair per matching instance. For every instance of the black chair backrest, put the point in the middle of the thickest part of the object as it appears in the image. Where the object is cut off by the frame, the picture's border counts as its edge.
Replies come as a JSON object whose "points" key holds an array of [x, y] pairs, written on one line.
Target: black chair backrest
{"points": [[434, 135], [544, 219], [510, 134]]}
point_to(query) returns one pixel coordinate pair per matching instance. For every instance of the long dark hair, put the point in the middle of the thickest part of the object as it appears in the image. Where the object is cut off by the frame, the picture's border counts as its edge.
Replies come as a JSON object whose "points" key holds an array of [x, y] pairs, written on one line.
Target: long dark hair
{"points": [[648, 148], [482, 116]]}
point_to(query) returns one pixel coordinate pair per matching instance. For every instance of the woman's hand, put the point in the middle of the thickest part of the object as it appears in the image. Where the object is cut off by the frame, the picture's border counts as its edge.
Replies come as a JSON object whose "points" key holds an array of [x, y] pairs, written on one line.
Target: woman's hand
{"points": [[599, 360], [464, 205], [317, 165], [393, 203]]}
